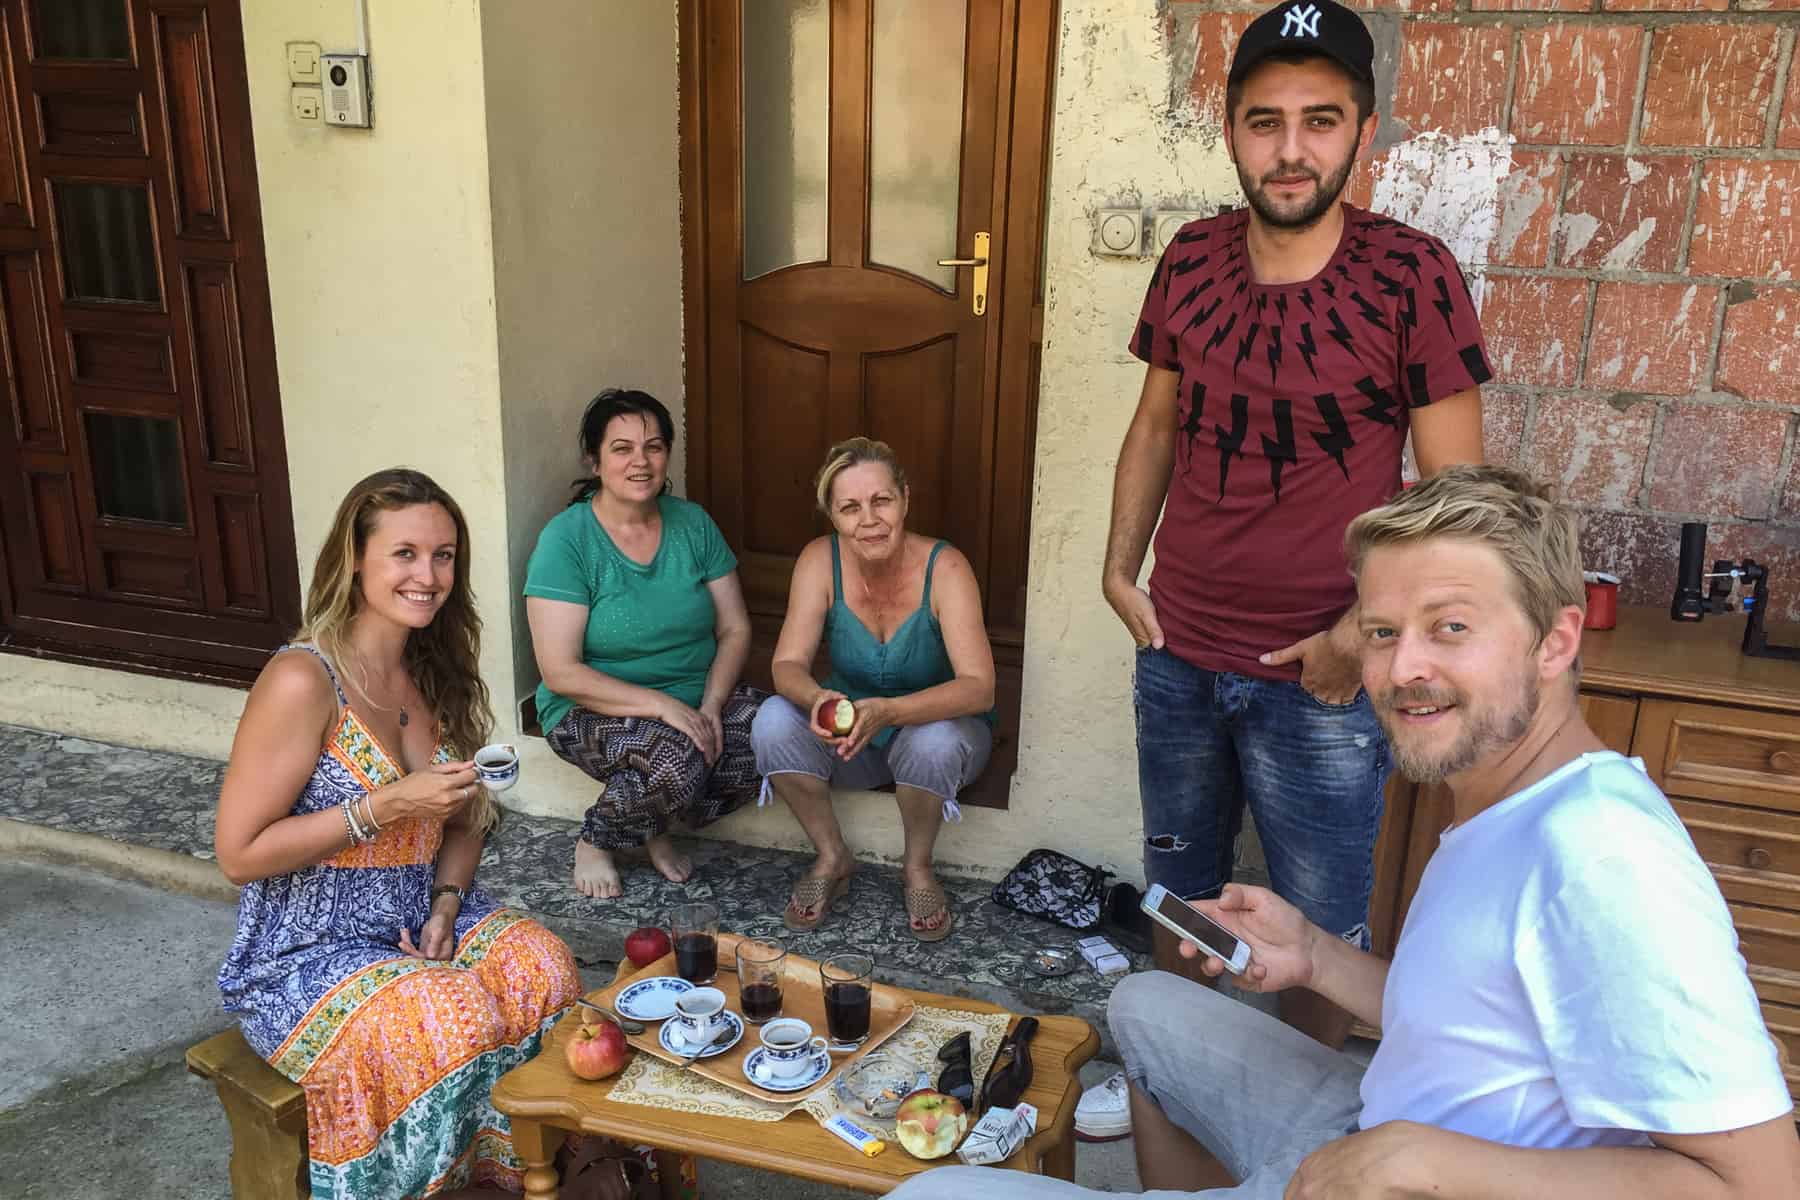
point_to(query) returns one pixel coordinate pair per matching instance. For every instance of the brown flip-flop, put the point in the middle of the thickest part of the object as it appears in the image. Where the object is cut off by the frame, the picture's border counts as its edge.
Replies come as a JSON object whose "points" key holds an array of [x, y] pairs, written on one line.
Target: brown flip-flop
{"points": [[810, 891], [924, 903]]}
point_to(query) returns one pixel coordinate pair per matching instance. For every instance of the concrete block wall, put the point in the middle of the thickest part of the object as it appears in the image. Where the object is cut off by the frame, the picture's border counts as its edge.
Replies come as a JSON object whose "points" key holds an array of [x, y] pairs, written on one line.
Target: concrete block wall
{"points": [[1639, 264]]}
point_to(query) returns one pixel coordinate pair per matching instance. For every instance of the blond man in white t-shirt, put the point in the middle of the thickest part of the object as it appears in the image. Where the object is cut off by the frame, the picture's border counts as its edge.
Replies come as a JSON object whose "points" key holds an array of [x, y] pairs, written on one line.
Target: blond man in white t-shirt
{"points": [[1566, 1014]]}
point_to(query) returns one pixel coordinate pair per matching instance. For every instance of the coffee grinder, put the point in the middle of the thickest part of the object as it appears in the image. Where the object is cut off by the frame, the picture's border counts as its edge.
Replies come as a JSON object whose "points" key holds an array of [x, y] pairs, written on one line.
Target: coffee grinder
{"points": [[1699, 591]]}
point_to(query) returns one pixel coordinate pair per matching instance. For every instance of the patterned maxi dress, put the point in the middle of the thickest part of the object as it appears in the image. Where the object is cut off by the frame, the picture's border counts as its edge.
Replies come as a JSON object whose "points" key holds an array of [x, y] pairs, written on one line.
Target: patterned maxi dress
{"points": [[397, 1055]]}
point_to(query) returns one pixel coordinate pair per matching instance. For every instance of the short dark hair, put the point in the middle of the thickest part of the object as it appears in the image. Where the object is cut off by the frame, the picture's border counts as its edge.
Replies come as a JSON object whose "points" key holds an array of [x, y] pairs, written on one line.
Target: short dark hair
{"points": [[1362, 92], [616, 402]]}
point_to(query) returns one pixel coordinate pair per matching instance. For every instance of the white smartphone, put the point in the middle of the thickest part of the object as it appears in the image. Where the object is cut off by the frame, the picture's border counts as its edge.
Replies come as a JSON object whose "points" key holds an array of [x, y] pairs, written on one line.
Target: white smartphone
{"points": [[1186, 921]]}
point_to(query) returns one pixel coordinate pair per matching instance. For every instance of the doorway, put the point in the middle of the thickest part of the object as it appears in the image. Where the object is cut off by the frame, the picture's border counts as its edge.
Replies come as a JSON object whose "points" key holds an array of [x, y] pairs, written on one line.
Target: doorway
{"points": [[863, 201], [144, 511]]}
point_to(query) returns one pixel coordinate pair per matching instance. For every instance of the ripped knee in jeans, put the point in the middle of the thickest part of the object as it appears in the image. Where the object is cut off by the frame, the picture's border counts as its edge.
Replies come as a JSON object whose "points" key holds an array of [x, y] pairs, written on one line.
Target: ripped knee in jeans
{"points": [[1168, 843]]}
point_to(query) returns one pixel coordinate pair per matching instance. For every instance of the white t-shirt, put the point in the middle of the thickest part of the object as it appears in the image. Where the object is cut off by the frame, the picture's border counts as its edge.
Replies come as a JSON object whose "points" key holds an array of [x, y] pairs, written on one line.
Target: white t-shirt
{"points": [[1569, 976]]}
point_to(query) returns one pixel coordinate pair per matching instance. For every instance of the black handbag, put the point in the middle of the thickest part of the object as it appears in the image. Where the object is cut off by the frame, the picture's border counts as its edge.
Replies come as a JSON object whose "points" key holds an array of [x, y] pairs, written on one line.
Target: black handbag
{"points": [[1058, 888]]}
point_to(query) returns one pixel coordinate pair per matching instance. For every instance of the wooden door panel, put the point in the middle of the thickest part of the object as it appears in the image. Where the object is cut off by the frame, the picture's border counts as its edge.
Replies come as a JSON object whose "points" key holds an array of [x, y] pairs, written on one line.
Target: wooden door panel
{"points": [[908, 398], [15, 190], [184, 56], [787, 426], [166, 527], [211, 294], [57, 521], [92, 123], [37, 416]]}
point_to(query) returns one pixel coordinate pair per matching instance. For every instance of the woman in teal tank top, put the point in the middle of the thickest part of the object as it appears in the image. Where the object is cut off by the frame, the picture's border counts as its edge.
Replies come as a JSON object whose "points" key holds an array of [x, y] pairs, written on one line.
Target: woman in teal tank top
{"points": [[901, 615]]}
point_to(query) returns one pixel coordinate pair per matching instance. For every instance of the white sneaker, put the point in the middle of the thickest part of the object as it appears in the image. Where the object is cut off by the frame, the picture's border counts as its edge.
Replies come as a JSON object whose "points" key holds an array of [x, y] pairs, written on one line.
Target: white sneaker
{"points": [[1104, 1113]]}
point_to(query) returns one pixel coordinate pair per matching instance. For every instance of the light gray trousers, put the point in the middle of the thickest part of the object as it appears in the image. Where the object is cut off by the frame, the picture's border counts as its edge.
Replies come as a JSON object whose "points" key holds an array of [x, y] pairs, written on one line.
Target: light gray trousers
{"points": [[1259, 1095]]}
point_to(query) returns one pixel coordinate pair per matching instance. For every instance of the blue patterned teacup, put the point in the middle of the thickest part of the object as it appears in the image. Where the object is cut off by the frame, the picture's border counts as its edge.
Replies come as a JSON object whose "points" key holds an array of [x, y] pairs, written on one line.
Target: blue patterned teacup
{"points": [[497, 766], [698, 1020], [788, 1045]]}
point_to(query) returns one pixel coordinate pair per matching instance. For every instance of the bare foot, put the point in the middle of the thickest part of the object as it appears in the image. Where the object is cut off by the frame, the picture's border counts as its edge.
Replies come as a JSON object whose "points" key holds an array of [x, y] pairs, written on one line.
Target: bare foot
{"points": [[669, 862], [921, 877], [595, 874]]}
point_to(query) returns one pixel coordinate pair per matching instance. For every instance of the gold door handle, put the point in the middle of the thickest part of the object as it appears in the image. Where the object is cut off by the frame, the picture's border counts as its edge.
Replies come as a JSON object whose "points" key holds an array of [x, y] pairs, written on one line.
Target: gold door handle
{"points": [[978, 299]]}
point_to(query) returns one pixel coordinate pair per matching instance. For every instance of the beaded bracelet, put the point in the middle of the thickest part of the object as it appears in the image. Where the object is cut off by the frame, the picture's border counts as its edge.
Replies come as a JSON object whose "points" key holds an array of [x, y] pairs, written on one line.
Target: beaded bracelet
{"points": [[357, 835]]}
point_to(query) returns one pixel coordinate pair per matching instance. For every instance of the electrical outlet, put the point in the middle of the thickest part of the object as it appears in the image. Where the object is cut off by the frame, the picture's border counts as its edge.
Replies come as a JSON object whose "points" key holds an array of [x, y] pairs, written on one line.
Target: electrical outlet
{"points": [[1167, 222], [1119, 232], [303, 62], [309, 106]]}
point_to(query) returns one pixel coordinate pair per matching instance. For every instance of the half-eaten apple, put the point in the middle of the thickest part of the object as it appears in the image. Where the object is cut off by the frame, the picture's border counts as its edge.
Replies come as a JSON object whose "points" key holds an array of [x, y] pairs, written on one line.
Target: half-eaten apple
{"points": [[929, 1123], [838, 716]]}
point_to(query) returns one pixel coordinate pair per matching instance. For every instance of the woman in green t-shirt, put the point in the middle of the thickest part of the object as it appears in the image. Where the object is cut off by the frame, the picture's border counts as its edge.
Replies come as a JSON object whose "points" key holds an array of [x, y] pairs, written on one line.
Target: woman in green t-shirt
{"points": [[640, 632]]}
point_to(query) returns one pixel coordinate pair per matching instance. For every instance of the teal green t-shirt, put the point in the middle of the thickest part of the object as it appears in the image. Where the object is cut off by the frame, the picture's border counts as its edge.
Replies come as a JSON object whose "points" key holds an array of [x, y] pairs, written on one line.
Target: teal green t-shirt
{"points": [[648, 623]]}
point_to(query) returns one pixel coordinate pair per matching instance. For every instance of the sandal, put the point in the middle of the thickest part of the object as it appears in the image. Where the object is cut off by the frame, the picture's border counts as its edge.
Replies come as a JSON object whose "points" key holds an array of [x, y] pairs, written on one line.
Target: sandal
{"points": [[817, 894], [924, 903]]}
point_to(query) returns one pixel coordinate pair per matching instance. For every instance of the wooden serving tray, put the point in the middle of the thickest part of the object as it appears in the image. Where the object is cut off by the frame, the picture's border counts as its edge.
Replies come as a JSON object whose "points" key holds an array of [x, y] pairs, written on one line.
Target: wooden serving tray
{"points": [[802, 995]]}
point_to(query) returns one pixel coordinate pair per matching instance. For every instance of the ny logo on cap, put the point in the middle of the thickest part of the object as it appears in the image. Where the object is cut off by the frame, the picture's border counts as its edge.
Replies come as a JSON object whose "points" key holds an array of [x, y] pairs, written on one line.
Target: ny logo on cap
{"points": [[1300, 22]]}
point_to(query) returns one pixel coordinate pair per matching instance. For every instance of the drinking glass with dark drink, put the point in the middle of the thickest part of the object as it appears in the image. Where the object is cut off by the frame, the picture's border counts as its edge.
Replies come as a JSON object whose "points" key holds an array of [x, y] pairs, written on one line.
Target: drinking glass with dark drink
{"points": [[846, 980], [761, 967], [694, 928]]}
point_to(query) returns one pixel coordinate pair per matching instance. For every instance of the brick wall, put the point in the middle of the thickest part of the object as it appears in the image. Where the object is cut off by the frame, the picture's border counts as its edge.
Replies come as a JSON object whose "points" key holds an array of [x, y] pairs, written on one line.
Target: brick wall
{"points": [[1639, 287]]}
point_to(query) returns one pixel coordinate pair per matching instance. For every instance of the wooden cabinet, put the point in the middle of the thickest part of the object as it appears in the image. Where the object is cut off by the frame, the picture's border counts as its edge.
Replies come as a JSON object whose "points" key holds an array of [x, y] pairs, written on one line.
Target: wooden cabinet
{"points": [[1720, 734]]}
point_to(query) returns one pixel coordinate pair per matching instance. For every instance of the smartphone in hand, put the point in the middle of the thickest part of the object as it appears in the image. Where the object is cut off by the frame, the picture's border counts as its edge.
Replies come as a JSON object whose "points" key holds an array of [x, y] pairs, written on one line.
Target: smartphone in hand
{"points": [[1187, 922]]}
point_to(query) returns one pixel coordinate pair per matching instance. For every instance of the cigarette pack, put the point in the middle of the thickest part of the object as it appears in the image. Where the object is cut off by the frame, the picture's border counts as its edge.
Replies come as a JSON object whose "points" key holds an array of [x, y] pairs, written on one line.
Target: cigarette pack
{"points": [[1112, 964], [998, 1134], [1094, 940], [1094, 953]]}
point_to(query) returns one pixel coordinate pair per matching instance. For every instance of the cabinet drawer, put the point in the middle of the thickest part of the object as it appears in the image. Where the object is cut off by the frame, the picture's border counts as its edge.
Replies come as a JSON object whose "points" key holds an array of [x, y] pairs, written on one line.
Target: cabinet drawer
{"points": [[1757, 852], [1715, 753], [1783, 1021], [1767, 937]]}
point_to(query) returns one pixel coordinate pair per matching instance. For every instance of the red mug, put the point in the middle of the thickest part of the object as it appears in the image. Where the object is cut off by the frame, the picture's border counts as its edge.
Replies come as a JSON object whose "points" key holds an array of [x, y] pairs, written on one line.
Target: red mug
{"points": [[1602, 603]]}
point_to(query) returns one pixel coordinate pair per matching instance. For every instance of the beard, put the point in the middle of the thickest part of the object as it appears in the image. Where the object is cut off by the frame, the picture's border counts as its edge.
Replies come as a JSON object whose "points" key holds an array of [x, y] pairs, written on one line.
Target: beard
{"points": [[1302, 214], [1485, 730]]}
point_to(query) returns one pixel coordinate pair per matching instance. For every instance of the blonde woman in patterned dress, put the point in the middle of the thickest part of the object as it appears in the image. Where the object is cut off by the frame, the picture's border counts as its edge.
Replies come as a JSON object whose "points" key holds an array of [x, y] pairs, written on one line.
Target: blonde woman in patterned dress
{"points": [[367, 967]]}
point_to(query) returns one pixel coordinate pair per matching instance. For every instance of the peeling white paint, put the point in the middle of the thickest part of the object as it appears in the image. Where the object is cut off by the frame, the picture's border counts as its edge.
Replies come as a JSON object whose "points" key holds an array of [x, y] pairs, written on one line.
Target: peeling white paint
{"points": [[1576, 230], [1449, 187], [1622, 256]]}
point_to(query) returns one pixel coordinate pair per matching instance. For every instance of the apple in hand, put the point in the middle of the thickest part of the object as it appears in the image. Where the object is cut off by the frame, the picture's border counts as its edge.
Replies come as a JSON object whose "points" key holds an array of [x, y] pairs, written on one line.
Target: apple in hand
{"points": [[839, 716], [929, 1124], [597, 1051], [644, 946]]}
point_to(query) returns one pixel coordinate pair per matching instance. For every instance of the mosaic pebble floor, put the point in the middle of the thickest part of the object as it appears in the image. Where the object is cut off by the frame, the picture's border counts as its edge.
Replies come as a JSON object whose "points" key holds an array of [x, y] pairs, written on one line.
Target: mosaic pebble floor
{"points": [[165, 801]]}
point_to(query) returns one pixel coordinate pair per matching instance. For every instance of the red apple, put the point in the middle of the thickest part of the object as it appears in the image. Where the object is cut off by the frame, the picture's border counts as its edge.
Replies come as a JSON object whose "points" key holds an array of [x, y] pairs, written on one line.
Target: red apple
{"points": [[644, 946], [929, 1124], [839, 716], [597, 1051]]}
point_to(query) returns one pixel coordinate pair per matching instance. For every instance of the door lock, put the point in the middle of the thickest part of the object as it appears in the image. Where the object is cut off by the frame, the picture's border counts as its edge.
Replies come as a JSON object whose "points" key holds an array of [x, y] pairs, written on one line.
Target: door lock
{"points": [[978, 298]]}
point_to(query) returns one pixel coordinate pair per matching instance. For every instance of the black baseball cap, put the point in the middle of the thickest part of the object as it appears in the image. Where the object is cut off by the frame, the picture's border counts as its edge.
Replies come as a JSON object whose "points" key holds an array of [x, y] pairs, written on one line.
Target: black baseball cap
{"points": [[1322, 27]]}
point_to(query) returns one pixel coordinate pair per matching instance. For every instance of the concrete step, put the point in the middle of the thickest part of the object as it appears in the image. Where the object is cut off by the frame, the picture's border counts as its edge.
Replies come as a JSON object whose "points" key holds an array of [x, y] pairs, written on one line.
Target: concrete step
{"points": [[149, 814]]}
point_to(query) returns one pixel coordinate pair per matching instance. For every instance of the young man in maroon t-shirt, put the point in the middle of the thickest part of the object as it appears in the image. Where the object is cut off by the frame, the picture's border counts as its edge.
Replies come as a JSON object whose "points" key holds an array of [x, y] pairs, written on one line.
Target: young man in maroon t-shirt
{"points": [[1291, 347]]}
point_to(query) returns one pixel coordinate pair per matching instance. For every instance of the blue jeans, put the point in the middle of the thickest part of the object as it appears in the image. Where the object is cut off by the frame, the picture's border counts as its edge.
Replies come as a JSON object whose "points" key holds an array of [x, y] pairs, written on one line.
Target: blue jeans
{"points": [[1312, 774]]}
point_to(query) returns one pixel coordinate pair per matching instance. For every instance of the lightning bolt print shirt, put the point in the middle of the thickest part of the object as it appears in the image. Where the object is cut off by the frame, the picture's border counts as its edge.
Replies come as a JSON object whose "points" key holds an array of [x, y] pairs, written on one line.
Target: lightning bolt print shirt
{"points": [[1293, 405]]}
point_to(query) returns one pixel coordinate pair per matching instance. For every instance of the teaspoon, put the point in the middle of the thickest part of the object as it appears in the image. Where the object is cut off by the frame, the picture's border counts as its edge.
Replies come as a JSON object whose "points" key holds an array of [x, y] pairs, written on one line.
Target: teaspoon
{"points": [[625, 1023]]}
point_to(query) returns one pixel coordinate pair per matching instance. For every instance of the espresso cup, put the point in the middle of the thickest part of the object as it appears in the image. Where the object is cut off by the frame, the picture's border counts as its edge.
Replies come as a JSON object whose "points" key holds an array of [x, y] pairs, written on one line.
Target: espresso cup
{"points": [[698, 1018], [497, 766], [788, 1045]]}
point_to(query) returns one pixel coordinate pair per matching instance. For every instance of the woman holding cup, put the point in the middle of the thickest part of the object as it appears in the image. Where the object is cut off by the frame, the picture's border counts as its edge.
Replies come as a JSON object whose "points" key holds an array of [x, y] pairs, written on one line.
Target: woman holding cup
{"points": [[640, 632], [354, 821]]}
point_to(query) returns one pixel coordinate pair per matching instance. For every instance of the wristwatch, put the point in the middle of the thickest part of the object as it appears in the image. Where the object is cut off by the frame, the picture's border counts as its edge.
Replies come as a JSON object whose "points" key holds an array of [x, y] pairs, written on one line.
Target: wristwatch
{"points": [[450, 889]]}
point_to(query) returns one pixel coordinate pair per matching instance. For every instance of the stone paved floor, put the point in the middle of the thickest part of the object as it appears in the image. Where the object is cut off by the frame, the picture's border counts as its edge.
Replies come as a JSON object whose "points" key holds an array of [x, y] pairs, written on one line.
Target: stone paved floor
{"points": [[165, 801]]}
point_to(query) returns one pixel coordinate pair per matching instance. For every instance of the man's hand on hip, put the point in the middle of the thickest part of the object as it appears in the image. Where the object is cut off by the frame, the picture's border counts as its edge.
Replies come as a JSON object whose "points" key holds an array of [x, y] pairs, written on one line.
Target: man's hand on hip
{"points": [[1132, 603], [1326, 670]]}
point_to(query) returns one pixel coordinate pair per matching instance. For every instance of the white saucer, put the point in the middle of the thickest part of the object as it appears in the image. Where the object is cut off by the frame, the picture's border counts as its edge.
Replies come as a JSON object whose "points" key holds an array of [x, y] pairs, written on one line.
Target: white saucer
{"points": [[666, 1036], [651, 999], [816, 1069]]}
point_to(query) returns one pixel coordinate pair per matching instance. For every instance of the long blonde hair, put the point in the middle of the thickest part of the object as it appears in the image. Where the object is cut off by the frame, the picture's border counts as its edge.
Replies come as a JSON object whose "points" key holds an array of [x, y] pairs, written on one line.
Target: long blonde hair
{"points": [[444, 658]]}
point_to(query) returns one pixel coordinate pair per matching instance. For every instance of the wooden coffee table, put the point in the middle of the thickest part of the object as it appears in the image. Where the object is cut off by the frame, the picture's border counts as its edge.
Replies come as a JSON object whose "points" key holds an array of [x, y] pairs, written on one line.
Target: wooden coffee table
{"points": [[544, 1099]]}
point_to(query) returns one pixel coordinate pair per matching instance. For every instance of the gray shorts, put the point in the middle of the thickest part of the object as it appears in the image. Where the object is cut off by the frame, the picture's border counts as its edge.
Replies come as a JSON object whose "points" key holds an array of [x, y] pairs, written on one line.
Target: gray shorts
{"points": [[940, 757], [1259, 1095]]}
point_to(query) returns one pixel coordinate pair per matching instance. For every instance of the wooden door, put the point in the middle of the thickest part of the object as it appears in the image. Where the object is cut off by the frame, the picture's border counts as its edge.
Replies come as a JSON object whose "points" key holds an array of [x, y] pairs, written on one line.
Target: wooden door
{"points": [[143, 481], [834, 152]]}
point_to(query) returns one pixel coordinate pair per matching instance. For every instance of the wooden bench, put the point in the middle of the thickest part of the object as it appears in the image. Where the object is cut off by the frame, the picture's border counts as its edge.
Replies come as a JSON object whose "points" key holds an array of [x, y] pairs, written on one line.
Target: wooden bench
{"points": [[267, 1112]]}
